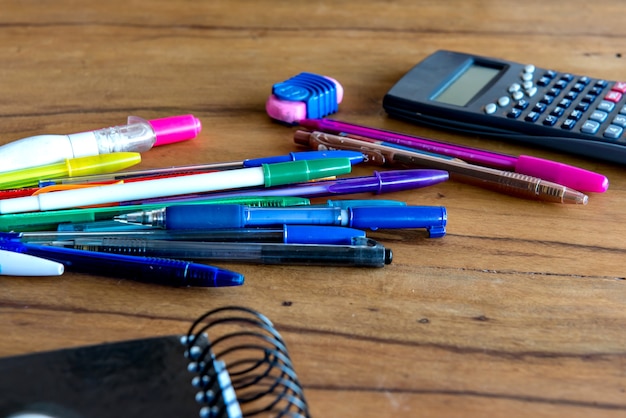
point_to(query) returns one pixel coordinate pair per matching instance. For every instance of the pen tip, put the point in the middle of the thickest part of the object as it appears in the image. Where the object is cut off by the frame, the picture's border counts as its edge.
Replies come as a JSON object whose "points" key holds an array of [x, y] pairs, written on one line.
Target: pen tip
{"points": [[388, 256]]}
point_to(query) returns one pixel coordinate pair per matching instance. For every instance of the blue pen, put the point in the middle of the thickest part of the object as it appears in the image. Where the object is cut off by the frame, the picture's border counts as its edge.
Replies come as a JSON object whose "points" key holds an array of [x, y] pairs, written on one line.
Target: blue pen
{"points": [[143, 269], [284, 234], [433, 218], [355, 157]]}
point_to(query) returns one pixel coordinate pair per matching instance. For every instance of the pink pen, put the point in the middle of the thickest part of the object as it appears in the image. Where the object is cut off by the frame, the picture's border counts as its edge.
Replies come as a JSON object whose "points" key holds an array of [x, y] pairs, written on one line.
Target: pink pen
{"points": [[567, 175], [138, 135]]}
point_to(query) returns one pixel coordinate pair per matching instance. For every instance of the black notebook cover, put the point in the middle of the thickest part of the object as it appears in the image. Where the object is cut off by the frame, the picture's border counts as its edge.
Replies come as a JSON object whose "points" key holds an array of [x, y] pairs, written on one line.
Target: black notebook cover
{"points": [[138, 378]]}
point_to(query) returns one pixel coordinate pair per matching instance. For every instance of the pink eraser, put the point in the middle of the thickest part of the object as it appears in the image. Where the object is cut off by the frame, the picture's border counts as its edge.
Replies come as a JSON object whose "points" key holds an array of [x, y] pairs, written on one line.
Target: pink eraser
{"points": [[564, 174], [175, 129], [291, 107]]}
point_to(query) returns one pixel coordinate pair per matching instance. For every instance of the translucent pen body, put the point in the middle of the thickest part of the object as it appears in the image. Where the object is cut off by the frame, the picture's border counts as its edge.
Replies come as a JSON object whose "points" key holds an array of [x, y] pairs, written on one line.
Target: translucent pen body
{"points": [[363, 252], [511, 183]]}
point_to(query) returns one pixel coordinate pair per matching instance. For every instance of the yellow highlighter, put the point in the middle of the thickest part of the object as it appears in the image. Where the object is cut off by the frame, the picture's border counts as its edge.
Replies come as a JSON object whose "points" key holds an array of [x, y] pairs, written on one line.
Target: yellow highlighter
{"points": [[82, 166]]}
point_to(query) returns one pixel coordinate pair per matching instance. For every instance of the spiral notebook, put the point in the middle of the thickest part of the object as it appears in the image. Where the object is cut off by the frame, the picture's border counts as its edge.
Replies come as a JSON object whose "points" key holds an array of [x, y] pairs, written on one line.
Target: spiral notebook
{"points": [[231, 364]]}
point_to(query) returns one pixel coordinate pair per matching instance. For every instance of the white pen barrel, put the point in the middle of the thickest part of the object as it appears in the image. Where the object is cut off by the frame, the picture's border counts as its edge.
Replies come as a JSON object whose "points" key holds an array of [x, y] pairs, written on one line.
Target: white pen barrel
{"points": [[171, 186]]}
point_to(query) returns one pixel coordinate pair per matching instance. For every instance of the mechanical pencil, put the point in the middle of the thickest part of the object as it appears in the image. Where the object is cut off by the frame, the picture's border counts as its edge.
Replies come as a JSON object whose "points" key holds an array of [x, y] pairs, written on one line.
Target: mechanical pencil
{"points": [[380, 182], [267, 175], [76, 219], [284, 234], [17, 264], [138, 135], [567, 175], [143, 269], [515, 184], [354, 156], [433, 218], [96, 164]]}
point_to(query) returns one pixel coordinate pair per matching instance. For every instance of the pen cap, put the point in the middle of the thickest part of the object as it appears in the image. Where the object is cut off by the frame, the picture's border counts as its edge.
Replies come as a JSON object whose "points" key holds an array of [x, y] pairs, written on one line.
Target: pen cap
{"points": [[105, 163], [175, 129], [305, 170], [566, 175], [433, 218]]}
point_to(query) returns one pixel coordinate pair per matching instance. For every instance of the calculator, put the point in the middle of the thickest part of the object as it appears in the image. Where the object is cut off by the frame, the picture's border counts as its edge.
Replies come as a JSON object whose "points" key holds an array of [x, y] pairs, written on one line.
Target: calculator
{"points": [[506, 100]]}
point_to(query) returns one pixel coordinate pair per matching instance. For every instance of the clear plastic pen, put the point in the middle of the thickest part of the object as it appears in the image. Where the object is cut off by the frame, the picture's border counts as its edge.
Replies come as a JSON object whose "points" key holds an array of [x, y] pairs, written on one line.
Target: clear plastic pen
{"points": [[364, 252]]}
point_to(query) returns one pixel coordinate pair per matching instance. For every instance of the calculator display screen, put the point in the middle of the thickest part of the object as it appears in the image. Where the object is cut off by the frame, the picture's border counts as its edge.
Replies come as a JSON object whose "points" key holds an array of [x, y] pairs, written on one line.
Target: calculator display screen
{"points": [[466, 85]]}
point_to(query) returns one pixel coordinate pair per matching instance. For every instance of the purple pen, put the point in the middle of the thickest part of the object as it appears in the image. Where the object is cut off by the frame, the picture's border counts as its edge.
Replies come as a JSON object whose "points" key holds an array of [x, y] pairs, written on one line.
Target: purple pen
{"points": [[566, 175], [379, 182]]}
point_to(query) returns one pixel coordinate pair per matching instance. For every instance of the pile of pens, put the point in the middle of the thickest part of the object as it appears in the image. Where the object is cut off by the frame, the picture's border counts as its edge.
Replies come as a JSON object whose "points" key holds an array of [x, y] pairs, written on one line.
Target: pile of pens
{"points": [[76, 211]]}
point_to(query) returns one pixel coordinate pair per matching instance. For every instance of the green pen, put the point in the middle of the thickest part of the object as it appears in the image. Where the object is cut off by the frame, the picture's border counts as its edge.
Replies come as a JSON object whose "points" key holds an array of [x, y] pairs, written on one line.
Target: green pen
{"points": [[49, 220]]}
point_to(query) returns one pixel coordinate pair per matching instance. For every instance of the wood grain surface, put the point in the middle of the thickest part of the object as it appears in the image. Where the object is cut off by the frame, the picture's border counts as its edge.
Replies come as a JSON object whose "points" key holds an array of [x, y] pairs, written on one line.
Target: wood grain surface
{"points": [[519, 311]]}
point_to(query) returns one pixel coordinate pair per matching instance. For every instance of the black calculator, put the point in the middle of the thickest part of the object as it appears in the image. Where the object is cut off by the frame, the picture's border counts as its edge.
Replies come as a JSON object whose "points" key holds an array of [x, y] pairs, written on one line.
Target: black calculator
{"points": [[512, 101]]}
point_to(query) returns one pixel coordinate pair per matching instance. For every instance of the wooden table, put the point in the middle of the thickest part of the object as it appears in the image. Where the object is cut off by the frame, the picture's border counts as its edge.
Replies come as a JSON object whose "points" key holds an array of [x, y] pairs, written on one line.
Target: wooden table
{"points": [[518, 311]]}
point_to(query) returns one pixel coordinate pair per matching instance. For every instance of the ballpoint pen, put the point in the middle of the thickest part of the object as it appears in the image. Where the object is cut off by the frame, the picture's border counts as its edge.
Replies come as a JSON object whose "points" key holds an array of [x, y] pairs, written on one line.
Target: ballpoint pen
{"points": [[362, 252], [567, 175], [380, 182], [138, 135], [96, 164], [433, 218], [161, 271], [515, 184], [74, 219], [267, 175], [284, 234], [354, 156], [17, 264]]}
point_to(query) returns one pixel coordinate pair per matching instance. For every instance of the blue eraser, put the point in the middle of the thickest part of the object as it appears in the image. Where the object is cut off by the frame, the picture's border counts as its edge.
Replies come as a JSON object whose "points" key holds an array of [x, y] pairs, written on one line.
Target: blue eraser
{"points": [[304, 96]]}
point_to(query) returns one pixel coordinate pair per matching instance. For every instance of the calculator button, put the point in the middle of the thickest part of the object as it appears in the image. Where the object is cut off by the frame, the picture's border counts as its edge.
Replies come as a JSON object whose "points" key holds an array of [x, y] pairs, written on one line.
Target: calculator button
{"points": [[567, 77], [596, 90], [554, 91], [619, 86], [565, 103], [550, 74], [623, 110], [491, 108], [571, 95], [531, 91], [530, 68], [606, 106], [557, 111], [601, 83], [584, 80], [568, 124], [590, 127], [613, 96], [532, 117], [598, 116], [589, 98], [578, 87], [523, 104], [613, 132], [550, 120], [561, 84], [528, 85], [526, 76], [540, 107], [547, 99], [576, 114], [544, 81], [517, 95], [514, 87], [582, 106], [504, 101], [514, 113], [619, 120]]}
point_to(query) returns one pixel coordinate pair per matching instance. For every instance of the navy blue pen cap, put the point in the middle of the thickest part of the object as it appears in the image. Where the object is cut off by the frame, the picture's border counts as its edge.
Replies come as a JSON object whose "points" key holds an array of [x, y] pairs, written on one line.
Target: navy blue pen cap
{"points": [[304, 96]]}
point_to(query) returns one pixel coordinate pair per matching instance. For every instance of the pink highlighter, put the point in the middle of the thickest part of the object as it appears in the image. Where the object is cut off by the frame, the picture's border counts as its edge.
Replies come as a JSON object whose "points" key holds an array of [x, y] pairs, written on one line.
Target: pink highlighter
{"points": [[138, 135]]}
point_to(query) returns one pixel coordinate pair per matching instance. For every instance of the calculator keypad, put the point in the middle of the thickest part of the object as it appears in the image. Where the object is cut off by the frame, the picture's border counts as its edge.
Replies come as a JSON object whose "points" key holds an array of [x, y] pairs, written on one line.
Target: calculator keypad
{"points": [[566, 102]]}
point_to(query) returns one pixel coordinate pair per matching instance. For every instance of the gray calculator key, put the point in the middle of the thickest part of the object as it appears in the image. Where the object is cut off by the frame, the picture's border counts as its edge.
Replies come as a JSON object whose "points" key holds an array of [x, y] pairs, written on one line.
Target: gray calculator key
{"points": [[598, 115], [619, 120], [613, 132], [590, 127]]}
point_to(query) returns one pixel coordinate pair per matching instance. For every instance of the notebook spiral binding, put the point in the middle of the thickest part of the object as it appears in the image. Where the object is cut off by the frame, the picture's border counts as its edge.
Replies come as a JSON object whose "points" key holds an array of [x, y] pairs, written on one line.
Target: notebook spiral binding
{"points": [[245, 370]]}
